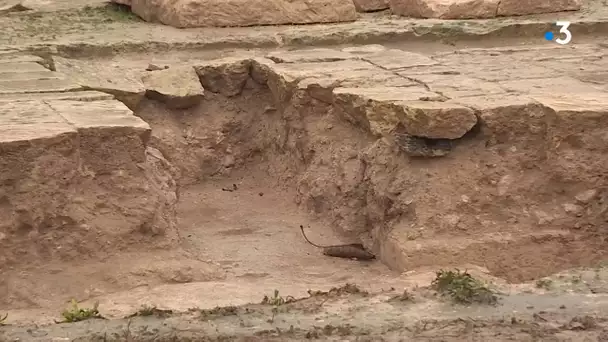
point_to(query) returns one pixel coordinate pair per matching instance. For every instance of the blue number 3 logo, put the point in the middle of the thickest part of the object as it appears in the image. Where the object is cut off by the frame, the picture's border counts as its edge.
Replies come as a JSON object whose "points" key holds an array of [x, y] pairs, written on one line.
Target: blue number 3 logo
{"points": [[564, 29]]}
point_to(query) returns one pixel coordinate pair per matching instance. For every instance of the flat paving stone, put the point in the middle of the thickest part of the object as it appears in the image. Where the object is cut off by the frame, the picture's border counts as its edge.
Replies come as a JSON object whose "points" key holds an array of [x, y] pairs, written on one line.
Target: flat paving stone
{"points": [[398, 59], [37, 86], [18, 58], [97, 114], [30, 120], [30, 75], [71, 96], [308, 56], [19, 67]]}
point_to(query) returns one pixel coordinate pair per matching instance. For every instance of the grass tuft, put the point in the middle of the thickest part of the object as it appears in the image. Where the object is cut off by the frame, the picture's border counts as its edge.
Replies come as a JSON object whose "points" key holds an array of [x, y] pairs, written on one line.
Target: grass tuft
{"points": [[77, 314], [277, 300], [151, 310], [463, 288]]}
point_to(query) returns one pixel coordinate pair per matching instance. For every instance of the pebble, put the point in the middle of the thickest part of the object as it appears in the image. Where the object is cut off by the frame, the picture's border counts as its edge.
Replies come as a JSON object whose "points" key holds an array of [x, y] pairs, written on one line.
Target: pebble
{"points": [[586, 196], [573, 209], [228, 161]]}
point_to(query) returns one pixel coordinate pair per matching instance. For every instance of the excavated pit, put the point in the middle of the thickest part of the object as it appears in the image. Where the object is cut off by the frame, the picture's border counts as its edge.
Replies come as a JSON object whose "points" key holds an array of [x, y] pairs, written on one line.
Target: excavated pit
{"points": [[504, 198], [424, 169]]}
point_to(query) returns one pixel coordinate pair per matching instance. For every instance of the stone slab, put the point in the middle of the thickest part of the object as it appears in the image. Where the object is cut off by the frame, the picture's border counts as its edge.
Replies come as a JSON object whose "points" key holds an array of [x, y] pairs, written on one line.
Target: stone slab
{"points": [[71, 96], [29, 132], [309, 56], [345, 73], [445, 9], [18, 58], [231, 13], [18, 67], [526, 7], [37, 86], [124, 83], [30, 75], [398, 59], [97, 114], [30, 120], [177, 87], [416, 108], [387, 93], [456, 86]]}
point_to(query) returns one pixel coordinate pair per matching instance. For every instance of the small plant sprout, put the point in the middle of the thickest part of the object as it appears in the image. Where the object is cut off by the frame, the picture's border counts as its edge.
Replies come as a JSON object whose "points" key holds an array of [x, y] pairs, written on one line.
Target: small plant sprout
{"points": [[463, 288]]}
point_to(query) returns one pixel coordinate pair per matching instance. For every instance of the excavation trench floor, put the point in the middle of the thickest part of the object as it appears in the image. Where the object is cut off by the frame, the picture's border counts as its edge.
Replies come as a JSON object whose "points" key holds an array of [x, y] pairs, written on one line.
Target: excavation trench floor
{"points": [[247, 242]]}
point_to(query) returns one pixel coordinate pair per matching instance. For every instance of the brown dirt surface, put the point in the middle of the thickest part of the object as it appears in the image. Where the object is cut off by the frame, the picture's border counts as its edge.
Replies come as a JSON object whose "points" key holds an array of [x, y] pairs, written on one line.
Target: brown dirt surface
{"points": [[131, 177]]}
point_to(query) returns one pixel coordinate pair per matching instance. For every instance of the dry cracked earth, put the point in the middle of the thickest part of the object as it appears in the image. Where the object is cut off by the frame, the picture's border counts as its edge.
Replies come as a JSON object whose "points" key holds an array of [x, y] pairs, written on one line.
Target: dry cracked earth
{"points": [[177, 179]]}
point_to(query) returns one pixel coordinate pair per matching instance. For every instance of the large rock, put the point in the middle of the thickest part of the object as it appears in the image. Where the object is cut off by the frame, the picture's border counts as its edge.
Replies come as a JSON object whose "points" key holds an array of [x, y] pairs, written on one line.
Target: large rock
{"points": [[445, 9], [226, 76], [230, 13], [371, 5], [523, 7], [125, 84], [177, 87], [383, 109]]}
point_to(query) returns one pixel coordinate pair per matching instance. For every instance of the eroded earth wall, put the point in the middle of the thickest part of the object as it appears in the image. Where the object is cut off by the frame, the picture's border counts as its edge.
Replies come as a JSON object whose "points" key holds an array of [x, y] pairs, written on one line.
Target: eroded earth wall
{"points": [[77, 179]]}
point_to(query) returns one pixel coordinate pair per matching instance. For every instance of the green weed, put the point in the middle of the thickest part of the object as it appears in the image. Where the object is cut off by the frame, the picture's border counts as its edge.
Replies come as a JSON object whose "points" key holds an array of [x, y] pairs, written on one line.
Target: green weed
{"points": [[77, 314], [463, 288], [147, 310], [277, 300]]}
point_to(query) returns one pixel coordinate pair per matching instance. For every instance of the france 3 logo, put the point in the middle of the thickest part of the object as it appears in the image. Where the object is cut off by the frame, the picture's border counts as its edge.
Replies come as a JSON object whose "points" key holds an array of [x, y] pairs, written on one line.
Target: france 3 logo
{"points": [[550, 36]]}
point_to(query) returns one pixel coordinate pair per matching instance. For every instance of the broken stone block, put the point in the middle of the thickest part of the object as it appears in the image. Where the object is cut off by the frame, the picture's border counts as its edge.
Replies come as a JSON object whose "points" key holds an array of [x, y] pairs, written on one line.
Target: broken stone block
{"points": [[382, 109], [177, 87], [226, 76], [438, 120], [231, 13]]}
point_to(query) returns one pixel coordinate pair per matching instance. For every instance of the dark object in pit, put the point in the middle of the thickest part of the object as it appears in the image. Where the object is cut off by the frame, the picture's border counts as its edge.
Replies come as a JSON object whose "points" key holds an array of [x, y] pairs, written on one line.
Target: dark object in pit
{"points": [[153, 67], [415, 146], [234, 188], [346, 251]]}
